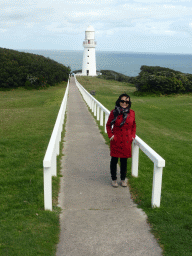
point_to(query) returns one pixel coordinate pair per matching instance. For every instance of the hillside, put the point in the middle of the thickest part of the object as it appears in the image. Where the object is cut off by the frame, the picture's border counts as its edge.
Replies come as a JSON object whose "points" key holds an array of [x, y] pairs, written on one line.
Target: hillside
{"points": [[19, 69], [154, 79], [113, 75]]}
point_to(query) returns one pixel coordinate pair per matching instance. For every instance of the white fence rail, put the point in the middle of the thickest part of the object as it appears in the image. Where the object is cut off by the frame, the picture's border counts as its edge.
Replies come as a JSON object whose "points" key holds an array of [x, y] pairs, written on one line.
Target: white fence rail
{"points": [[50, 159], [99, 111]]}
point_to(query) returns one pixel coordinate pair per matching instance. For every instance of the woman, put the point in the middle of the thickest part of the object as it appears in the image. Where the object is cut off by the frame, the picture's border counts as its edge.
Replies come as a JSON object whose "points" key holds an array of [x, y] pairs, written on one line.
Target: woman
{"points": [[121, 129]]}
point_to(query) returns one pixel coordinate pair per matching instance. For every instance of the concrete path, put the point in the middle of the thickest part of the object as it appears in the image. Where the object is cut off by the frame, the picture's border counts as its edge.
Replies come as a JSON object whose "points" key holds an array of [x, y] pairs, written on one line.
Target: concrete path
{"points": [[96, 219]]}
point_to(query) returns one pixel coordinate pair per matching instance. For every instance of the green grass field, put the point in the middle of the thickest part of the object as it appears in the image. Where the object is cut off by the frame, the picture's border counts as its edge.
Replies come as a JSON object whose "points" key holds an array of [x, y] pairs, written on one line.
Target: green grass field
{"points": [[27, 120], [165, 124]]}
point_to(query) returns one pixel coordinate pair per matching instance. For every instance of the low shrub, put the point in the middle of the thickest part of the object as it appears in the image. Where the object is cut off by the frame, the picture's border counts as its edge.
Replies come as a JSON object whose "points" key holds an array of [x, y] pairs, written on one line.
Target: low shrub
{"points": [[162, 80]]}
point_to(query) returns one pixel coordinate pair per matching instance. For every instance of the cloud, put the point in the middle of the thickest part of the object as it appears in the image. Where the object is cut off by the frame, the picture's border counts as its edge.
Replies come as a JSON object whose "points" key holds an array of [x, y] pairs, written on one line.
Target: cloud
{"points": [[182, 26], [92, 2], [162, 1], [126, 13], [41, 20], [77, 13]]}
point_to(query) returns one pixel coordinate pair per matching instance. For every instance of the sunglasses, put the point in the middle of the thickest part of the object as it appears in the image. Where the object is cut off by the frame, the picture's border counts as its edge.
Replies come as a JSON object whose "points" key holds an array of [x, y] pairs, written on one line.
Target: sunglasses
{"points": [[124, 101]]}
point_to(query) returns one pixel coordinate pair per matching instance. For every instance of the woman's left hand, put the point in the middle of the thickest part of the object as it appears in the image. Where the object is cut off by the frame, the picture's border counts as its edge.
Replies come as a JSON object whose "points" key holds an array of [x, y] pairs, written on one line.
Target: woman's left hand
{"points": [[112, 137]]}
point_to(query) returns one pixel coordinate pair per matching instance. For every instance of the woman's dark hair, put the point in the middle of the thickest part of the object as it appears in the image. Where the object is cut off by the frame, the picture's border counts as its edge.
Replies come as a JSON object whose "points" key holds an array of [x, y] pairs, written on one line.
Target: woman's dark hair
{"points": [[123, 95]]}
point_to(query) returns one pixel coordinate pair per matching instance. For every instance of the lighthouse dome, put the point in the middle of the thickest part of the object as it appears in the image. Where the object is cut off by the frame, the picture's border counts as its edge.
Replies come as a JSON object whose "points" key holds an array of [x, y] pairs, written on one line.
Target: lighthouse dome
{"points": [[90, 29], [90, 33]]}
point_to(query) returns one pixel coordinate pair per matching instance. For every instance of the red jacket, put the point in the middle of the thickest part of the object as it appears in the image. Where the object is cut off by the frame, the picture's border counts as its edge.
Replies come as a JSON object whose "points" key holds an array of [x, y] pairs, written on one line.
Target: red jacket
{"points": [[123, 136]]}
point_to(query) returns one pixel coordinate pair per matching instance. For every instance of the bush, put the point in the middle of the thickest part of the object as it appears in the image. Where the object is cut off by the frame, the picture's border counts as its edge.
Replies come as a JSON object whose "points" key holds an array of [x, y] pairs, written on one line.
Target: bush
{"points": [[162, 80], [19, 69], [189, 83]]}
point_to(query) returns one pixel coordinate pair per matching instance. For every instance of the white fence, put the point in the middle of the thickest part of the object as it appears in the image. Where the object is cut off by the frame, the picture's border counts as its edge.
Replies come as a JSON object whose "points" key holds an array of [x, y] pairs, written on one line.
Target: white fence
{"points": [[99, 111], [50, 159]]}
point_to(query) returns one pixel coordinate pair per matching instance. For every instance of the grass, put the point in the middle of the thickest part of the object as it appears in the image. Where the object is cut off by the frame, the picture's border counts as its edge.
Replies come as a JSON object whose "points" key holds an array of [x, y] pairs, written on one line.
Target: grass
{"points": [[165, 124], [27, 120]]}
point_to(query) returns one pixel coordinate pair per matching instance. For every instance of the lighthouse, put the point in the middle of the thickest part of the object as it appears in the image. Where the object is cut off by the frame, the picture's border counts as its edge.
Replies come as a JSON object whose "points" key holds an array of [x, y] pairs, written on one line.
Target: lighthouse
{"points": [[89, 59]]}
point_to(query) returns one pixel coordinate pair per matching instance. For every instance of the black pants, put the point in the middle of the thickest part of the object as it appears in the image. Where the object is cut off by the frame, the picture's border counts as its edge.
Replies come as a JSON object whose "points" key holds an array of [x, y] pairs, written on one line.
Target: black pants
{"points": [[123, 167]]}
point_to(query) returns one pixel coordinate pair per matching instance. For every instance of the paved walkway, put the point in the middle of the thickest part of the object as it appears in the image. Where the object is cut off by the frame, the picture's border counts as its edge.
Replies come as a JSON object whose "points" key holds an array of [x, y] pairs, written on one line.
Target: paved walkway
{"points": [[96, 219]]}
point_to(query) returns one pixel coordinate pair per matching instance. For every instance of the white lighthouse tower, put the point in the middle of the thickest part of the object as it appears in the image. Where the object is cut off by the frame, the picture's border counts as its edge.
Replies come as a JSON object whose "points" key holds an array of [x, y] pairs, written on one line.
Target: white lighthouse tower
{"points": [[89, 60]]}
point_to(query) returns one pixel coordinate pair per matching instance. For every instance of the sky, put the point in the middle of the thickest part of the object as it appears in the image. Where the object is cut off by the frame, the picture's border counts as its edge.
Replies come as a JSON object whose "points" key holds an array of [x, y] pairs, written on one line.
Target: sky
{"points": [[157, 26]]}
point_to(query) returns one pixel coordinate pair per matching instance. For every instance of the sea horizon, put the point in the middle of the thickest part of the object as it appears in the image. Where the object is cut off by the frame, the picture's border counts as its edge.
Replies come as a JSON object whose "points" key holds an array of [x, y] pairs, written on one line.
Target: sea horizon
{"points": [[161, 53], [127, 63]]}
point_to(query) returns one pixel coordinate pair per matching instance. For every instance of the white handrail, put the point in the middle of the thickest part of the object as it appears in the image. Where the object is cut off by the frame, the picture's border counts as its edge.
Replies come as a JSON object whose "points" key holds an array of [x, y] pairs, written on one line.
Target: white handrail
{"points": [[50, 158], [98, 109]]}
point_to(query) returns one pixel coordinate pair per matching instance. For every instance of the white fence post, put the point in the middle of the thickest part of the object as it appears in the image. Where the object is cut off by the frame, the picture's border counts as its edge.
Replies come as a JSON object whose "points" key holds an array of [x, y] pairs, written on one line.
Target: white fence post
{"points": [[95, 109], [92, 105], [157, 183], [54, 164], [135, 160], [47, 177], [97, 113], [101, 117], [106, 119]]}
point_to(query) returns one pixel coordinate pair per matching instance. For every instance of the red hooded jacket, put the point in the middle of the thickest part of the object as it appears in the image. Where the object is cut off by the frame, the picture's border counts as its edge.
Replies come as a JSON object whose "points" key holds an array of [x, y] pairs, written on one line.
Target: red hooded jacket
{"points": [[120, 146]]}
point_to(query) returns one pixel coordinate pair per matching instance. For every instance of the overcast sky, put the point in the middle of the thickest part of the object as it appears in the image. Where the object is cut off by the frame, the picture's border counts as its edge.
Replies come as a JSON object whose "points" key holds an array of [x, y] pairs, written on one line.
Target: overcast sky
{"points": [[160, 26]]}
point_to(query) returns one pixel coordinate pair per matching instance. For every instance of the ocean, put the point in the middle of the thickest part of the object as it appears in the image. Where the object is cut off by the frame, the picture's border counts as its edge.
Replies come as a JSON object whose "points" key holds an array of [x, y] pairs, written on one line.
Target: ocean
{"points": [[126, 63]]}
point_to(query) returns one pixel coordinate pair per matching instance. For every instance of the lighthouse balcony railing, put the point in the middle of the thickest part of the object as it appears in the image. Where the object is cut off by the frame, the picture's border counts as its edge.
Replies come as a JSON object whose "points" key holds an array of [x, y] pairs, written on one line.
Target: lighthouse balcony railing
{"points": [[91, 42], [102, 115]]}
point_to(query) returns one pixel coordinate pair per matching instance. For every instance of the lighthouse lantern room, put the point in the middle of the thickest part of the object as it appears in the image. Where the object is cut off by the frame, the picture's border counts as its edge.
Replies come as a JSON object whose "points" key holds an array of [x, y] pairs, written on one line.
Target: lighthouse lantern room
{"points": [[89, 59]]}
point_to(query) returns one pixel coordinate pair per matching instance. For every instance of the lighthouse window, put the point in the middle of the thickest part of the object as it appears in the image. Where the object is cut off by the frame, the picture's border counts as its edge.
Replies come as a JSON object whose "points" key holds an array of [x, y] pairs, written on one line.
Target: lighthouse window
{"points": [[87, 55], [88, 49], [87, 62]]}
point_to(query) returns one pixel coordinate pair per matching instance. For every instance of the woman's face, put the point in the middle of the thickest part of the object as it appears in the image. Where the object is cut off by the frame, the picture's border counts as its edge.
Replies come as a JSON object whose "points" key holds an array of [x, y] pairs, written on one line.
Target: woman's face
{"points": [[125, 99]]}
